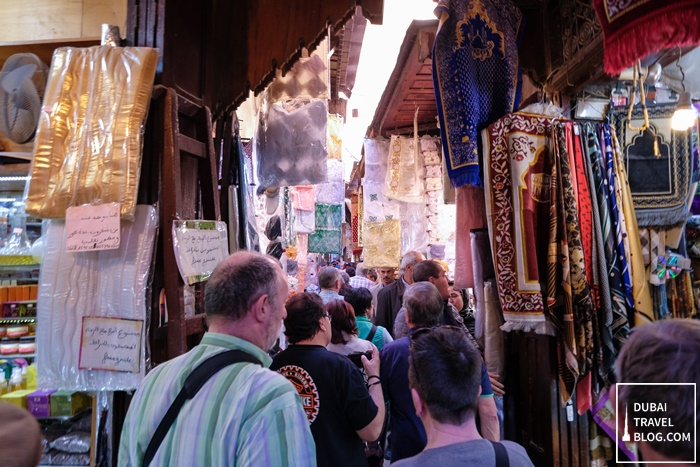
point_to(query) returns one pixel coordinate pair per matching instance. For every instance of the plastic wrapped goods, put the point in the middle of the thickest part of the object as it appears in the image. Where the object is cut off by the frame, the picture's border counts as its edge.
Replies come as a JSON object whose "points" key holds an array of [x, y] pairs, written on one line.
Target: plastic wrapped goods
{"points": [[97, 284], [308, 78], [404, 177], [291, 144], [382, 242], [88, 143]]}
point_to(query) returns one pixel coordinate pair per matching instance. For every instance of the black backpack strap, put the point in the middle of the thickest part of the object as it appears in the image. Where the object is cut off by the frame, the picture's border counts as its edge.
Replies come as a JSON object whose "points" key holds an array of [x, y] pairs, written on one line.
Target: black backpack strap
{"points": [[372, 332], [193, 384], [501, 455]]}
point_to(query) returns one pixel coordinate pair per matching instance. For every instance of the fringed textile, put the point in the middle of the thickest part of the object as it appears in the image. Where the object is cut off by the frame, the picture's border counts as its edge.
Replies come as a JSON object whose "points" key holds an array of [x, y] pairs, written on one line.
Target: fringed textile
{"points": [[660, 185], [518, 173], [633, 30], [475, 64]]}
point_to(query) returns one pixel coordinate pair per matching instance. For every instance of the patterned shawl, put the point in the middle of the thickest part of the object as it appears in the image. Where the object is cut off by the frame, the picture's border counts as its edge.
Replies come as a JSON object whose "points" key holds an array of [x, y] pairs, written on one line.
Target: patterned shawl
{"points": [[573, 308], [617, 219], [643, 308], [476, 76], [602, 301], [518, 168], [616, 326]]}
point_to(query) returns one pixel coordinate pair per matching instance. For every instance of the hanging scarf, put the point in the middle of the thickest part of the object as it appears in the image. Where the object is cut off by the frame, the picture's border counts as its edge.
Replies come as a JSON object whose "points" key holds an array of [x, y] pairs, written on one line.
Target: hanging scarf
{"points": [[586, 225], [476, 76], [643, 307], [617, 221], [617, 324], [602, 302], [518, 174], [634, 29]]}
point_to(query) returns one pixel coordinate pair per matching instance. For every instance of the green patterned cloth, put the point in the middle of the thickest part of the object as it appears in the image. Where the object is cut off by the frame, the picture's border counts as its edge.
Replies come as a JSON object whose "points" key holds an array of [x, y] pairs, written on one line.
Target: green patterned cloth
{"points": [[326, 241], [329, 216]]}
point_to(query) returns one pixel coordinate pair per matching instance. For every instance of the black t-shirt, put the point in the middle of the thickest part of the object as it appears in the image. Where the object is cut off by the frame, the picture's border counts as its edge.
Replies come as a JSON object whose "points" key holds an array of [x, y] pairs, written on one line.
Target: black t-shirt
{"points": [[335, 398]]}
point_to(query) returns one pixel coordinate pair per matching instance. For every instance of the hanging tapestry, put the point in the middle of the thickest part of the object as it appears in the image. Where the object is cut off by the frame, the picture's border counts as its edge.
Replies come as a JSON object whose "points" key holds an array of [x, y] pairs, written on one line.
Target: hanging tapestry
{"points": [[376, 207], [660, 185], [476, 76], [471, 215], [333, 191], [88, 143], [603, 412], [404, 177], [518, 168], [633, 30], [334, 139], [382, 242]]}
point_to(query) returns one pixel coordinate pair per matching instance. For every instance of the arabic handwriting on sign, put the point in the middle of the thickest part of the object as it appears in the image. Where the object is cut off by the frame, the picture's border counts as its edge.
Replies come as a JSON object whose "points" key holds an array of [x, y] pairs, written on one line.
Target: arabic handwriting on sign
{"points": [[93, 227], [111, 344]]}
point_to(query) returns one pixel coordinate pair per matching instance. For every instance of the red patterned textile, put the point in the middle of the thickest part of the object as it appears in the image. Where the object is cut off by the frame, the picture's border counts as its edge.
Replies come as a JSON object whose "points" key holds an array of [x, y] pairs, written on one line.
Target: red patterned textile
{"points": [[633, 29]]}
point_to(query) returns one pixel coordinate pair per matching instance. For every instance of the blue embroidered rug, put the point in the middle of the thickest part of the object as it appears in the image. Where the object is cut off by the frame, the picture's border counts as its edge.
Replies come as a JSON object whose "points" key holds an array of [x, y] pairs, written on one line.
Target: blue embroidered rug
{"points": [[476, 75]]}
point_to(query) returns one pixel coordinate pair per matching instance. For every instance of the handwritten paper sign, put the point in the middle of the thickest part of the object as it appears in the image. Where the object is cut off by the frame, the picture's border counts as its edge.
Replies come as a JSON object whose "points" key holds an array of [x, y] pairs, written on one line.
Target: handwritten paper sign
{"points": [[199, 247], [92, 228], [111, 344]]}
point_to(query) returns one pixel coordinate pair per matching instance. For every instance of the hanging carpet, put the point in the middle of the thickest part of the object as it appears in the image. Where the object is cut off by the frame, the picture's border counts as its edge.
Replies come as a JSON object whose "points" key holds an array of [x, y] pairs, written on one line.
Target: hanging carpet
{"points": [[476, 76], [660, 185], [518, 168]]}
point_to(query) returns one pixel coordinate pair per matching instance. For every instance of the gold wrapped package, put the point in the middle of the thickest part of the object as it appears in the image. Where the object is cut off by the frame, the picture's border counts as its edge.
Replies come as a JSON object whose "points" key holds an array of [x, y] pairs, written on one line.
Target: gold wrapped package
{"points": [[382, 244], [88, 143]]}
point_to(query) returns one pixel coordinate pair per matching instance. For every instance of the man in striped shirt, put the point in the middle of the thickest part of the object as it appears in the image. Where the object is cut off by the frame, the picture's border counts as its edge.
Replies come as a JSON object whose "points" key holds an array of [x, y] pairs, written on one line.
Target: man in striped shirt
{"points": [[360, 279], [245, 414]]}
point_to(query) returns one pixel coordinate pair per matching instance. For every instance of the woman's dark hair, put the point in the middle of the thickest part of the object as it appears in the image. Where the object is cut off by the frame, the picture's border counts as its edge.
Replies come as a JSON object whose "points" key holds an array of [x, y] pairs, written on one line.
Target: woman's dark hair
{"points": [[304, 312], [342, 320], [360, 298]]}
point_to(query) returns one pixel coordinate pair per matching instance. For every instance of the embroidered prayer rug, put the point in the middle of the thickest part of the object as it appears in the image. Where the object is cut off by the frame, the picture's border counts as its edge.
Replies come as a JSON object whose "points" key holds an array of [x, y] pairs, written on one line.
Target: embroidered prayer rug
{"points": [[517, 178], [660, 185], [476, 76], [634, 29]]}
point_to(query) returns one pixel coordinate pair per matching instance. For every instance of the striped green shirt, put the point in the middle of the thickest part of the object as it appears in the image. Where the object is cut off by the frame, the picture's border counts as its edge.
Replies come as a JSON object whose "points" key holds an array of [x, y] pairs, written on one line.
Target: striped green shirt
{"points": [[244, 415]]}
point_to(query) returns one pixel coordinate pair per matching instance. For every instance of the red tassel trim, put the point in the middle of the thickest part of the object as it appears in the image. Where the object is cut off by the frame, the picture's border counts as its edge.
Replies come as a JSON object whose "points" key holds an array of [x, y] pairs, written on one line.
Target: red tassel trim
{"points": [[650, 34]]}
